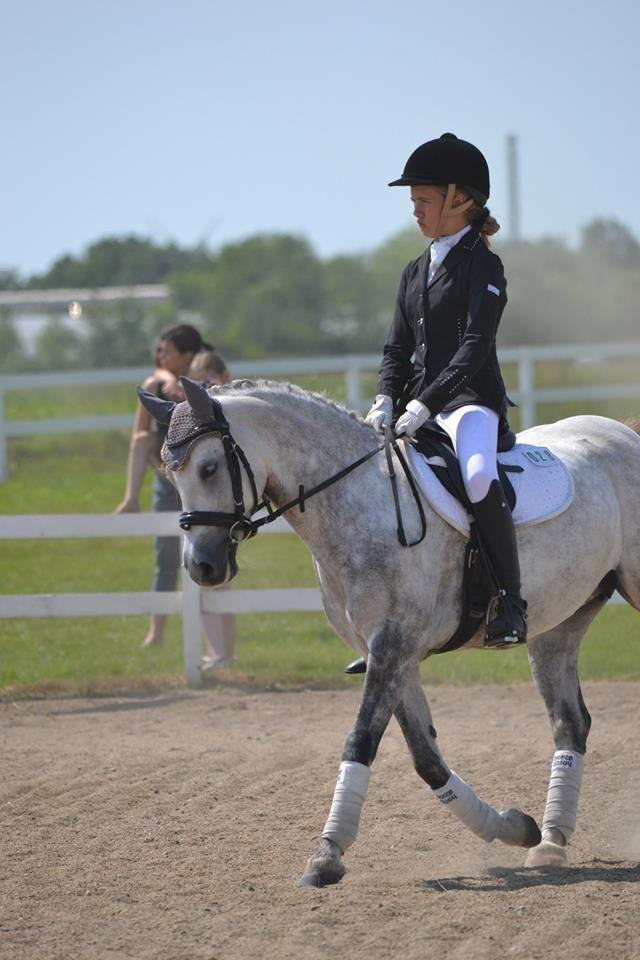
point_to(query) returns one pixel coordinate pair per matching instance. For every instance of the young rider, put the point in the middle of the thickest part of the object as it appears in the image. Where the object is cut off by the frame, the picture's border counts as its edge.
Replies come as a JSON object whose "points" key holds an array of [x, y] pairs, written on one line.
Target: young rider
{"points": [[440, 356]]}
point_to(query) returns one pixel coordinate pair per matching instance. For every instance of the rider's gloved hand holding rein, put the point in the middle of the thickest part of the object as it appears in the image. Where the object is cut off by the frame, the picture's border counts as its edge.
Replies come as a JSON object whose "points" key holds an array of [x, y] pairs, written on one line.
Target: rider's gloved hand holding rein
{"points": [[380, 414], [412, 419]]}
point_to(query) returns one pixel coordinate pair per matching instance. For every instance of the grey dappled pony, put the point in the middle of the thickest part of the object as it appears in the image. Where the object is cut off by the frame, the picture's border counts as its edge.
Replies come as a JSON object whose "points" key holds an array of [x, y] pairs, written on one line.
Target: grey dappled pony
{"points": [[396, 606]]}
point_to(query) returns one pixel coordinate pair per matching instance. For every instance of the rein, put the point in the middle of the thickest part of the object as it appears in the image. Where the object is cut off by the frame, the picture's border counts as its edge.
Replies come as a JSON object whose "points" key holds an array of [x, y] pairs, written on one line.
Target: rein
{"points": [[240, 523]]}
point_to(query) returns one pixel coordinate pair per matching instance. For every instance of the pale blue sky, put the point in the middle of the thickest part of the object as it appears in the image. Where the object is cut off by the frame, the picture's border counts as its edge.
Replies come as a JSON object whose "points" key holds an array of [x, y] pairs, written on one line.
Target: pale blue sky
{"points": [[188, 119]]}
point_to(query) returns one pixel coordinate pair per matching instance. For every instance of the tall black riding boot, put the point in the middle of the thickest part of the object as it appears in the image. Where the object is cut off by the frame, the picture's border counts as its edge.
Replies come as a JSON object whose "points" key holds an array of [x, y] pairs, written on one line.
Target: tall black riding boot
{"points": [[507, 616]]}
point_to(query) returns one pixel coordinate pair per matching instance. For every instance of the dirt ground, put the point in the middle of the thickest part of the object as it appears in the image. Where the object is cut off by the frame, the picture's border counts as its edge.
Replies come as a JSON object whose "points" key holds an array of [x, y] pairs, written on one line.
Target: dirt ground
{"points": [[174, 827]]}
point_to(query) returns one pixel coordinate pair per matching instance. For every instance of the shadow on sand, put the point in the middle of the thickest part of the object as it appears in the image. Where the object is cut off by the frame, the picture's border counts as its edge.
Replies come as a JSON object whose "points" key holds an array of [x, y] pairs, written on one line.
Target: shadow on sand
{"points": [[134, 703], [507, 879]]}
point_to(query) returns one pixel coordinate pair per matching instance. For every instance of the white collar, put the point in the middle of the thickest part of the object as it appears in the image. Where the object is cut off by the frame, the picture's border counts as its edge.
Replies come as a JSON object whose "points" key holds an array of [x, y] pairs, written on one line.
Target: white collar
{"points": [[441, 245]]}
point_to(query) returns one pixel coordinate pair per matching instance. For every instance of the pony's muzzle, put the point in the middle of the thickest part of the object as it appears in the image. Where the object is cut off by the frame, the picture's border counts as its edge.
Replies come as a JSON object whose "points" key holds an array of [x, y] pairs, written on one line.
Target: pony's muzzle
{"points": [[209, 568]]}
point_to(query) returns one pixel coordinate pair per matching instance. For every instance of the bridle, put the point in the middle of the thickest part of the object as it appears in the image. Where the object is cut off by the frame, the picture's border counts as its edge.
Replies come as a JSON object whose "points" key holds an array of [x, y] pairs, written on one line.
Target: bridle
{"points": [[240, 523]]}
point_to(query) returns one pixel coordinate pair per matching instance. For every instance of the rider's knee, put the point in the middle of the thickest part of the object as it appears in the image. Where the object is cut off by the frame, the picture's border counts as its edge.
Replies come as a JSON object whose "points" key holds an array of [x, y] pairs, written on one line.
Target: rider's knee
{"points": [[477, 483]]}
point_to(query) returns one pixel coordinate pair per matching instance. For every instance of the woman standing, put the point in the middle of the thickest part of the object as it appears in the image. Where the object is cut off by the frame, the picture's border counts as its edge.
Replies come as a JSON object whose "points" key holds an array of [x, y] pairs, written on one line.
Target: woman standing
{"points": [[440, 356], [143, 450], [176, 348]]}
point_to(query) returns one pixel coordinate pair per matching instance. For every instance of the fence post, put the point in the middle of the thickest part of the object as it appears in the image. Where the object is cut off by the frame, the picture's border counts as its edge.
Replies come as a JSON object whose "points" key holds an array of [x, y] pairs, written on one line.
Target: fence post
{"points": [[191, 632], [3, 441], [354, 398], [527, 387]]}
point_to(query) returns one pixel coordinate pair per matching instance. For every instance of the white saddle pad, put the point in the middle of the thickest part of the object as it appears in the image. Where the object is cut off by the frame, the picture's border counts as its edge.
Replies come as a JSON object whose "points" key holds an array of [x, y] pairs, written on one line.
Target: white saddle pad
{"points": [[543, 490]]}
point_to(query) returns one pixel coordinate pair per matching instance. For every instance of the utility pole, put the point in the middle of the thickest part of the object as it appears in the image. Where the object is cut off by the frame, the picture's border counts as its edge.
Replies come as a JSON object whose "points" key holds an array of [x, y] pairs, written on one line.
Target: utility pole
{"points": [[513, 187]]}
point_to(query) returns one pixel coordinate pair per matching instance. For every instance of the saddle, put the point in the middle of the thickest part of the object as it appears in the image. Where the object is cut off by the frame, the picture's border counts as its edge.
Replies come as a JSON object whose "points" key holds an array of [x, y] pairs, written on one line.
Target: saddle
{"points": [[536, 481], [436, 447]]}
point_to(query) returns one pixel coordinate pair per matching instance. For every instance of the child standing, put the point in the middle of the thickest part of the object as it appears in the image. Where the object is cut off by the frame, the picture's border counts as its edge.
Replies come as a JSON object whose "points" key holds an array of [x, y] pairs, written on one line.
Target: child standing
{"points": [[208, 368], [440, 356]]}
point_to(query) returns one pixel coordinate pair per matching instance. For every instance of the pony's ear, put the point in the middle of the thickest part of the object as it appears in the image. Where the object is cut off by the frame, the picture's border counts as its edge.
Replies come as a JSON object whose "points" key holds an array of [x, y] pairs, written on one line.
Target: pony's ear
{"points": [[159, 409], [197, 398]]}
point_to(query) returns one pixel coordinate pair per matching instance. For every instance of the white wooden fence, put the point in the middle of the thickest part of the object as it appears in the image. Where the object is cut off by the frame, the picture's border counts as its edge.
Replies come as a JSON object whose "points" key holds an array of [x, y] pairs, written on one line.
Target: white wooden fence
{"points": [[191, 602], [353, 366]]}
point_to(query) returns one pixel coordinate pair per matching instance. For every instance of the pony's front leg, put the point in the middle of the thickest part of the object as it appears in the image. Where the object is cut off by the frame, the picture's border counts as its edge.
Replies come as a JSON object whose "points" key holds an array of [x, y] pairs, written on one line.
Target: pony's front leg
{"points": [[382, 689], [511, 826], [554, 663]]}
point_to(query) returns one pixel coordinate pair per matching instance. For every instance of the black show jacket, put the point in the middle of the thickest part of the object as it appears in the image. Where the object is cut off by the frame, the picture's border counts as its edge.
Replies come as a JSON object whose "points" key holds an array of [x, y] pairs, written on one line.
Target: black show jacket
{"points": [[441, 348]]}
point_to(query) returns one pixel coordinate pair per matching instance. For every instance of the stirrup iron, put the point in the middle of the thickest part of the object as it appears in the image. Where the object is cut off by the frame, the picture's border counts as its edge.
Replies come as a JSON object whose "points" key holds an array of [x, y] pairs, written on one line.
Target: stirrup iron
{"points": [[509, 609]]}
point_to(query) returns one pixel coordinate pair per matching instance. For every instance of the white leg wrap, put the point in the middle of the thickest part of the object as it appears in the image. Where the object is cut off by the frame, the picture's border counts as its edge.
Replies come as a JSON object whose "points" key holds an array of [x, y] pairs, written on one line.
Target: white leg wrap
{"points": [[564, 790], [348, 799], [461, 800]]}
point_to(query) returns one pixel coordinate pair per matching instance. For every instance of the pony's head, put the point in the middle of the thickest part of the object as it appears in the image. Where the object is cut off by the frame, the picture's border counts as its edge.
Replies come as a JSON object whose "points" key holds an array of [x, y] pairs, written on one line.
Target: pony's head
{"points": [[217, 486]]}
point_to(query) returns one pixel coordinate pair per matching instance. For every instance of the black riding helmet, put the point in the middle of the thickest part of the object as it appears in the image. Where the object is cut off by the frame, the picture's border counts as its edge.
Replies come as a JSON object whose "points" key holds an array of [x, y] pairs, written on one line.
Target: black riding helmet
{"points": [[447, 160]]}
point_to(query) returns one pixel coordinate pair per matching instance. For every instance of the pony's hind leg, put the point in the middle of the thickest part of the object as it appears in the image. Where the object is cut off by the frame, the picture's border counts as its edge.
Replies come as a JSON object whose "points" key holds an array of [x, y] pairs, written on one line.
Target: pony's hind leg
{"points": [[384, 680], [554, 663], [511, 826]]}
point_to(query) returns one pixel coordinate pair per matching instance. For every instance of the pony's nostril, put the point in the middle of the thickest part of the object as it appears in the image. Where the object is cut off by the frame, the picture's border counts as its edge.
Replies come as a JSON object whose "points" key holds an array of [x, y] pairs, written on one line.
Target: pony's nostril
{"points": [[207, 572], [204, 572]]}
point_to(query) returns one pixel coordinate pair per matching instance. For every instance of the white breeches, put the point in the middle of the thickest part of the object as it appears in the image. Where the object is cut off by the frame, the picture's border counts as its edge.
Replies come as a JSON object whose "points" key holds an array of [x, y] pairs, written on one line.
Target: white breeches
{"points": [[474, 432]]}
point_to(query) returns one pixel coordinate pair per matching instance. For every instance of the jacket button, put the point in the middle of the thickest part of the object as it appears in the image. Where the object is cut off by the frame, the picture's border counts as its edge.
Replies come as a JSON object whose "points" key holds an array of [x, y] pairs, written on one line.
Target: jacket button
{"points": [[421, 320]]}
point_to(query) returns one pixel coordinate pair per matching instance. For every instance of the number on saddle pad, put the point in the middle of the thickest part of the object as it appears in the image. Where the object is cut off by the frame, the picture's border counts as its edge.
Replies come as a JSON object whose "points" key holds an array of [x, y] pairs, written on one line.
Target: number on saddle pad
{"points": [[540, 457]]}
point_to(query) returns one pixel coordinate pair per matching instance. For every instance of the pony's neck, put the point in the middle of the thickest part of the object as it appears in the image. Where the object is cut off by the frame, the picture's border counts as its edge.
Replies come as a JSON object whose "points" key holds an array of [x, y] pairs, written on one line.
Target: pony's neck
{"points": [[314, 440], [301, 438]]}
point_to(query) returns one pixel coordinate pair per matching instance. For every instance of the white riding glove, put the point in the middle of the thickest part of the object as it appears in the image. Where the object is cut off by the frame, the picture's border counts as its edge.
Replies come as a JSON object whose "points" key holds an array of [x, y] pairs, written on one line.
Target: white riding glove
{"points": [[381, 413], [413, 418]]}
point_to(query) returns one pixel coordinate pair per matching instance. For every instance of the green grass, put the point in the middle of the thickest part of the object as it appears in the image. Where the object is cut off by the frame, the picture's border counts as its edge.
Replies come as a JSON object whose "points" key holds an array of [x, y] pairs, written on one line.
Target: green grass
{"points": [[610, 651], [67, 474], [85, 474], [44, 403], [88, 655]]}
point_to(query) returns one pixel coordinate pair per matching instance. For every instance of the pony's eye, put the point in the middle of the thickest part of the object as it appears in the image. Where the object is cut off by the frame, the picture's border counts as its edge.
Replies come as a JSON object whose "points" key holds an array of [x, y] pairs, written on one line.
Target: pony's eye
{"points": [[207, 470]]}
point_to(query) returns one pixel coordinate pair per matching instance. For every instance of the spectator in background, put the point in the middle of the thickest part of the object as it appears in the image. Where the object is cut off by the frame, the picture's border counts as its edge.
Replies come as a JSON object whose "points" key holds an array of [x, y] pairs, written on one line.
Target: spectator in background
{"points": [[143, 447], [208, 368], [176, 348]]}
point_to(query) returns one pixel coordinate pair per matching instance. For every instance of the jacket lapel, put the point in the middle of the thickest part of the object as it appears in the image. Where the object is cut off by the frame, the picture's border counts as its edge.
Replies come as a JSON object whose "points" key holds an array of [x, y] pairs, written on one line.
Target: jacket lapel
{"points": [[423, 269], [462, 249]]}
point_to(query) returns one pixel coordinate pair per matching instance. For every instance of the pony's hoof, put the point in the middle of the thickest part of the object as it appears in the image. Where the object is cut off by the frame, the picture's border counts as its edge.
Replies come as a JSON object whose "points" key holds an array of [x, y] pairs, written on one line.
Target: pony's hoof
{"points": [[321, 875], [324, 867], [521, 830], [321, 878], [547, 854]]}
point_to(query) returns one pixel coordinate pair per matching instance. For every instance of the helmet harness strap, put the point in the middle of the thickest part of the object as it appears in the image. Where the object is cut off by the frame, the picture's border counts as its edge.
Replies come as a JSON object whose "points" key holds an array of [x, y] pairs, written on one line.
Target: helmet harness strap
{"points": [[448, 210]]}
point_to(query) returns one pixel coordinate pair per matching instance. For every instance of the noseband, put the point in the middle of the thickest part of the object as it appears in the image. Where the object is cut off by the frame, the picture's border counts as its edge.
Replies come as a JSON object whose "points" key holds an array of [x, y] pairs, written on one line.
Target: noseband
{"points": [[240, 524]]}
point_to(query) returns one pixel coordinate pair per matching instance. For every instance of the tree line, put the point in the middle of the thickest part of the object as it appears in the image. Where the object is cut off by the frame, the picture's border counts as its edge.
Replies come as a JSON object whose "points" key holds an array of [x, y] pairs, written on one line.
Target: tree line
{"points": [[271, 295]]}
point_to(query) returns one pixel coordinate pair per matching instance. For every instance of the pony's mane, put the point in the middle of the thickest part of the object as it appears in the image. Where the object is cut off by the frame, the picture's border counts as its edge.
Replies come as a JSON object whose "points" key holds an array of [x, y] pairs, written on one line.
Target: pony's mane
{"points": [[270, 387]]}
